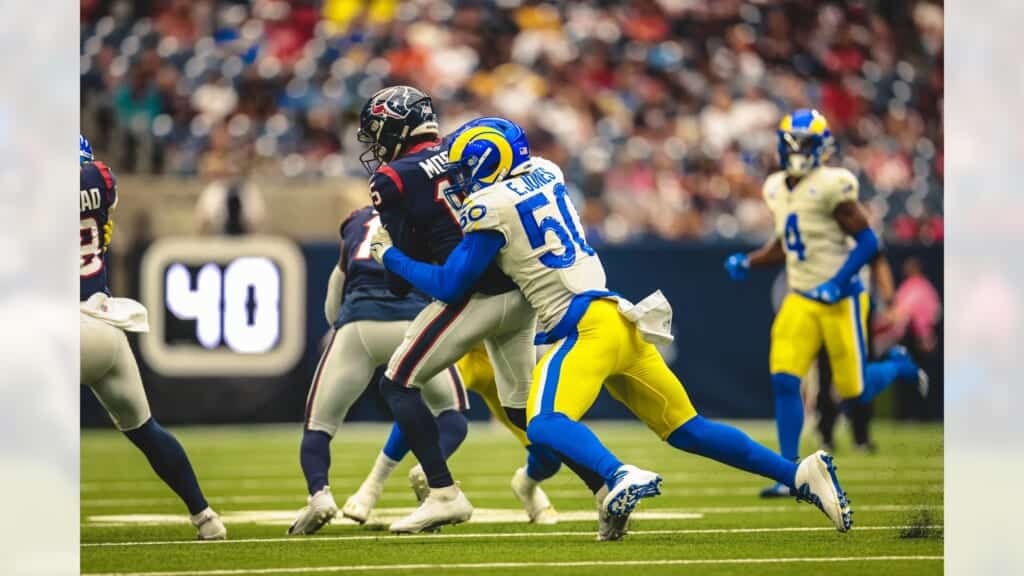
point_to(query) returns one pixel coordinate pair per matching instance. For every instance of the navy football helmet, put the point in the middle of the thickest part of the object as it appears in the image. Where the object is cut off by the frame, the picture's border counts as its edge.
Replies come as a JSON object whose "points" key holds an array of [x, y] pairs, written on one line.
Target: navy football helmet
{"points": [[389, 119]]}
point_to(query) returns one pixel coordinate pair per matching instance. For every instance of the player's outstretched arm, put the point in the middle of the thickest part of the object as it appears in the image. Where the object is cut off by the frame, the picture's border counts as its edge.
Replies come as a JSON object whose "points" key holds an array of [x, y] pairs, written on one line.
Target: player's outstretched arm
{"points": [[450, 282], [739, 264]]}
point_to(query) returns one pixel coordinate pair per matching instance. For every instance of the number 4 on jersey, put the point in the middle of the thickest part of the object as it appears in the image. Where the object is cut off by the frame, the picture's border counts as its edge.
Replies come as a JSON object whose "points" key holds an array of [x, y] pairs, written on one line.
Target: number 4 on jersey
{"points": [[792, 233]]}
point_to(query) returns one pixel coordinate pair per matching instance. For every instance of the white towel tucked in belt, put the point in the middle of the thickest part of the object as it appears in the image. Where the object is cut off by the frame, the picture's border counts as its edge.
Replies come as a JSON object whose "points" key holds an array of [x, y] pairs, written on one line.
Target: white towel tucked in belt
{"points": [[652, 316], [123, 313]]}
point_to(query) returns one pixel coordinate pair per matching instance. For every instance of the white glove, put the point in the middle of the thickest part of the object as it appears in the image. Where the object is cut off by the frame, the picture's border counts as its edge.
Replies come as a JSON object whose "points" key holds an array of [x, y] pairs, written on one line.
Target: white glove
{"points": [[379, 244], [332, 303]]}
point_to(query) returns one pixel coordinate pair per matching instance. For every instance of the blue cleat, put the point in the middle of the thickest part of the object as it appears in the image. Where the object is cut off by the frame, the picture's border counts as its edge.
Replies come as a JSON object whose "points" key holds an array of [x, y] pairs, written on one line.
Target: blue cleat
{"points": [[777, 490], [909, 370], [631, 485], [816, 482]]}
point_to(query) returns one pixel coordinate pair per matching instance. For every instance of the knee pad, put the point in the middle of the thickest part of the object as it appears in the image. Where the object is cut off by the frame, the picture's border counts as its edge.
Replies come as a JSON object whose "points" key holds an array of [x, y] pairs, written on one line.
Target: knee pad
{"points": [[542, 426], [785, 384]]}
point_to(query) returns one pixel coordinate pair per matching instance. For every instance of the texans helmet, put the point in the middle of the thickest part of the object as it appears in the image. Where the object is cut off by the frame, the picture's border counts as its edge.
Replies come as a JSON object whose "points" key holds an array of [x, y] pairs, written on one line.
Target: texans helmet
{"points": [[805, 142], [84, 150], [389, 119], [486, 151]]}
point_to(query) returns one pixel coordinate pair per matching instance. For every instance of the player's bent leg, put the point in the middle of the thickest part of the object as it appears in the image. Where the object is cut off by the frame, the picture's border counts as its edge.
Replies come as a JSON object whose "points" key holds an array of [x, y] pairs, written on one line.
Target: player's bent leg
{"points": [[108, 367], [731, 446], [359, 505]]}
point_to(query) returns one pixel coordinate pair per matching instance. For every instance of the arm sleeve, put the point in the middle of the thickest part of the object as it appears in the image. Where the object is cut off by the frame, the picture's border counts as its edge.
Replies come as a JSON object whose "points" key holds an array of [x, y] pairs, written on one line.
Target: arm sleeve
{"points": [[867, 247], [449, 283]]}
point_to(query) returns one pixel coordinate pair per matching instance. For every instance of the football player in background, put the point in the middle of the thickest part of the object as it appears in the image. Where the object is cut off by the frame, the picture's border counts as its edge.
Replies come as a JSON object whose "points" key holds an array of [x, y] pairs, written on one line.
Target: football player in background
{"points": [[518, 215], [369, 322], [107, 365], [822, 235], [411, 189]]}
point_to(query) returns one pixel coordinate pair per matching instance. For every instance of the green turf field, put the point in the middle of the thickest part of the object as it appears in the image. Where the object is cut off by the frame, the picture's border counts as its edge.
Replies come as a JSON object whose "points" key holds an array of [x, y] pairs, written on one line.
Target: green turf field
{"points": [[708, 520]]}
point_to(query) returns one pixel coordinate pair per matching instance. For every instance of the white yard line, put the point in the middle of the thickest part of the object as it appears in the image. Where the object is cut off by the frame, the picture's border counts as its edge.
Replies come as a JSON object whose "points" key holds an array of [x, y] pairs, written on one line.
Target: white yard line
{"points": [[477, 536], [930, 488], [498, 565]]}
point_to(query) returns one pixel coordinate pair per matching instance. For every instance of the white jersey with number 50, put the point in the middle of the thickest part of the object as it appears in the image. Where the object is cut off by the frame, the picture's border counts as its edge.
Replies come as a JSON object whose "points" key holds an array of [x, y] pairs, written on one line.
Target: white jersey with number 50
{"points": [[545, 251]]}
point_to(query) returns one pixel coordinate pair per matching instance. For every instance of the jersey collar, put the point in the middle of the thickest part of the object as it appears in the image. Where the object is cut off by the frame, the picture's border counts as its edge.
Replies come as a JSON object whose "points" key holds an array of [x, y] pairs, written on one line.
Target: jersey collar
{"points": [[421, 146]]}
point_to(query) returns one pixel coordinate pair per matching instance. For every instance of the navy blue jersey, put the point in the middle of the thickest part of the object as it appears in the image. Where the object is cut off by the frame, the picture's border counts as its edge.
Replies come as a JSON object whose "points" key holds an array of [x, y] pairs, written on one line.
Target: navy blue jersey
{"points": [[367, 295], [422, 215], [97, 198]]}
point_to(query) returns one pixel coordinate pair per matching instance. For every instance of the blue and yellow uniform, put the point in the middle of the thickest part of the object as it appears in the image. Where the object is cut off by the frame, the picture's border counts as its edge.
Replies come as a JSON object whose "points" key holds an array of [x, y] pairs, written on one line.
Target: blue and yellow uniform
{"points": [[826, 304], [518, 214]]}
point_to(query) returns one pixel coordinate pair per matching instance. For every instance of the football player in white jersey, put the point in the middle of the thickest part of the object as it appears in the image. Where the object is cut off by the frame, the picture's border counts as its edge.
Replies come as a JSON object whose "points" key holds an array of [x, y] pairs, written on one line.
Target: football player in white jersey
{"points": [[822, 235], [518, 214], [106, 364]]}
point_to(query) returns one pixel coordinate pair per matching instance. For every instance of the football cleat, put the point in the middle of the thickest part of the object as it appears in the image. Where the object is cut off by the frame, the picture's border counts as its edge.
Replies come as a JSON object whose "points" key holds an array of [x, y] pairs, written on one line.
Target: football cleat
{"points": [[535, 501], [609, 527], [209, 525], [816, 482], [631, 485], [319, 511], [442, 506], [909, 370], [359, 505], [777, 490], [418, 483]]}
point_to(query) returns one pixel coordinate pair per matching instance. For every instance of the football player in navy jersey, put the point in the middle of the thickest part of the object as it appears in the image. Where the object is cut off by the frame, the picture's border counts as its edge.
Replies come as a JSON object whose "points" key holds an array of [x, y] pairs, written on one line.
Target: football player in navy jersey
{"points": [[411, 189], [107, 365], [369, 322]]}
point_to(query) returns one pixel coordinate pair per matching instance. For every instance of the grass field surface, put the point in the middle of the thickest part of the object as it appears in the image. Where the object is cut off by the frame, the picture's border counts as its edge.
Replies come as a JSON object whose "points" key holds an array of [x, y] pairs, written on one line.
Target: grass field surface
{"points": [[708, 520]]}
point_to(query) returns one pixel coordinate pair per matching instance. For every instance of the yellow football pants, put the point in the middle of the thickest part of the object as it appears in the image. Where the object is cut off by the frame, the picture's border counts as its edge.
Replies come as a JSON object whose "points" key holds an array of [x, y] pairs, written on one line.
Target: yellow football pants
{"points": [[478, 376], [607, 349], [803, 325]]}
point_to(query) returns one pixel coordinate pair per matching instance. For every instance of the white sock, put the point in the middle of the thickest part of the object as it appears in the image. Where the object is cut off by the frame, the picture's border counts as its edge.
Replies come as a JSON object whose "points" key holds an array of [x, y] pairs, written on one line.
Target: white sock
{"points": [[382, 469]]}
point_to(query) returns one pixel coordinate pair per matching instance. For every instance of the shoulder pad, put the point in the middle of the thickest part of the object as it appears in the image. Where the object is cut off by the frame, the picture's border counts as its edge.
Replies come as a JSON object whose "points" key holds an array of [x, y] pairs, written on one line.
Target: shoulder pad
{"points": [[481, 211]]}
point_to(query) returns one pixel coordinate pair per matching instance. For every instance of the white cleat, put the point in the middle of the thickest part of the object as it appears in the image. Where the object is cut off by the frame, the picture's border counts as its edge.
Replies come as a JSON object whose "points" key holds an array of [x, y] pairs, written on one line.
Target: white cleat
{"points": [[631, 485], [442, 506], [922, 383], [816, 482], [418, 483], [535, 501], [319, 511], [209, 525], [609, 527], [359, 505]]}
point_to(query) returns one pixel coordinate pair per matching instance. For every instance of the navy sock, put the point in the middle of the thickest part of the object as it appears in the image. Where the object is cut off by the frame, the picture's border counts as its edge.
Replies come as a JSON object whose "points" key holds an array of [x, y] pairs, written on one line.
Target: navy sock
{"points": [[396, 448], [170, 463], [789, 413], [452, 428], [315, 458], [541, 462], [419, 430], [732, 446], [575, 441]]}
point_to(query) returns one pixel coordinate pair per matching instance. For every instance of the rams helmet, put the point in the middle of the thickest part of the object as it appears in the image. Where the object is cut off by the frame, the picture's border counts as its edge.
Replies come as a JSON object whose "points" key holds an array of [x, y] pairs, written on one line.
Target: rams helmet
{"points": [[486, 151], [805, 142]]}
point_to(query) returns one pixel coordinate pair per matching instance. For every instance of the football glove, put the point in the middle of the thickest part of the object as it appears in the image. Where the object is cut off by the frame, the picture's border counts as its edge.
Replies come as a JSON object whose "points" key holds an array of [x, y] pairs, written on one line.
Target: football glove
{"points": [[737, 266], [108, 233], [379, 244], [828, 292]]}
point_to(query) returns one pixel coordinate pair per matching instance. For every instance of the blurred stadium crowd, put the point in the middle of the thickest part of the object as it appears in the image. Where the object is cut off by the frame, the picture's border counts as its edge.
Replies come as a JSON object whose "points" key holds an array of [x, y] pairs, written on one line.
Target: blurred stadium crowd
{"points": [[662, 112]]}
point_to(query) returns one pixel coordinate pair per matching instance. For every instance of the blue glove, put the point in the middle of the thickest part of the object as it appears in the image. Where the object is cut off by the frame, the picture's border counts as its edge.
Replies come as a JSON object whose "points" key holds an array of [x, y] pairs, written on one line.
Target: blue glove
{"points": [[737, 266], [828, 292]]}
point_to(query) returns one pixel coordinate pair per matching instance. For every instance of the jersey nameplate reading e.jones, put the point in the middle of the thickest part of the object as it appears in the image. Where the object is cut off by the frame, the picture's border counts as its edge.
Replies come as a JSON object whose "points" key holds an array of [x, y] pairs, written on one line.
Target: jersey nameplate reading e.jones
{"points": [[223, 306]]}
